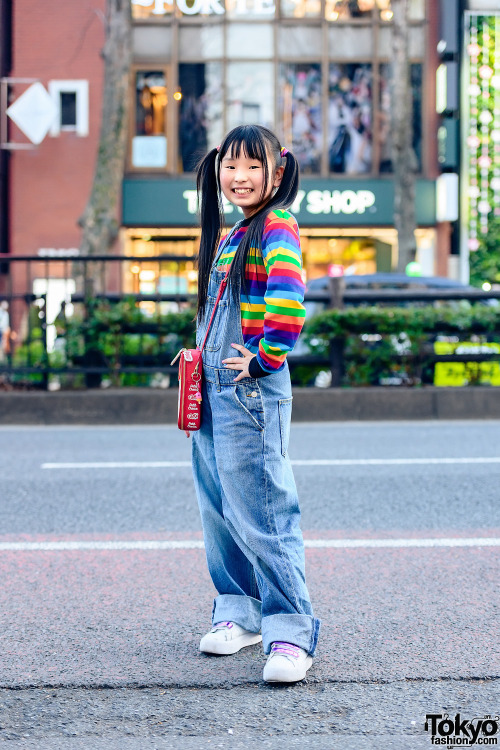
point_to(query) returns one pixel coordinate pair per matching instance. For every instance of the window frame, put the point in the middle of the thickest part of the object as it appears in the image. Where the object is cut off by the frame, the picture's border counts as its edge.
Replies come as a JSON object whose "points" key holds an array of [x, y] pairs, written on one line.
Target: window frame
{"points": [[81, 89], [170, 134], [324, 57]]}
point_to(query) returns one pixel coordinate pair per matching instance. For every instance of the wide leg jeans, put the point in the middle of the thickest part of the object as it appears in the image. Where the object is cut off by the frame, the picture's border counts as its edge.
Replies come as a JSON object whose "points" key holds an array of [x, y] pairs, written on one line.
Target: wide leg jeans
{"points": [[246, 490]]}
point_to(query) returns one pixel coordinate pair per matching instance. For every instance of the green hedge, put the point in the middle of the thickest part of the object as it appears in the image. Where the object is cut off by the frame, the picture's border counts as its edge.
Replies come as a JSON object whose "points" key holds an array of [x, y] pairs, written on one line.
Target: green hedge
{"points": [[415, 322], [383, 344], [112, 334], [378, 343]]}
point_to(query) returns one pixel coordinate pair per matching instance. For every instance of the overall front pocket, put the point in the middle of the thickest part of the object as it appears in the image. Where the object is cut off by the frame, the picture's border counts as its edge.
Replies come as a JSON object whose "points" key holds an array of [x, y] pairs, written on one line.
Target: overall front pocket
{"points": [[249, 398]]}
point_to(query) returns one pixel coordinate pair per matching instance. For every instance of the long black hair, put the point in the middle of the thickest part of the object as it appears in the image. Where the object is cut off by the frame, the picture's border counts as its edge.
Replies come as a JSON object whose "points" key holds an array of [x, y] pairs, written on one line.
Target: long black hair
{"points": [[258, 143]]}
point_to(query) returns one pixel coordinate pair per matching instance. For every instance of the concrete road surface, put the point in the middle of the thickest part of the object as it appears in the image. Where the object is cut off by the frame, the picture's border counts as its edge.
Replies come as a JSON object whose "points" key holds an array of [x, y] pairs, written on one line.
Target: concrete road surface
{"points": [[105, 594]]}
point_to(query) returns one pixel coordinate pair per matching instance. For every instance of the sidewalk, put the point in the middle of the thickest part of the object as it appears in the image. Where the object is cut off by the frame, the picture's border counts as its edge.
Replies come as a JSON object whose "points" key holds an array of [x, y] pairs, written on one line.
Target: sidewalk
{"points": [[134, 618]]}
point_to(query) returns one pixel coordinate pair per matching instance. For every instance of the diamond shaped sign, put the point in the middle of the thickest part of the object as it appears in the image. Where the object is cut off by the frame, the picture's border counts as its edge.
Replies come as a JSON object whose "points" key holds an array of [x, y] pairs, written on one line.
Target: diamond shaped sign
{"points": [[33, 112]]}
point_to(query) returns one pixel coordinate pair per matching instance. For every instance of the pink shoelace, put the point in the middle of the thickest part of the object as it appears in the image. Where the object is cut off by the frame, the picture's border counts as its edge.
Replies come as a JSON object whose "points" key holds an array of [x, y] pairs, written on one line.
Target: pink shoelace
{"points": [[289, 649]]}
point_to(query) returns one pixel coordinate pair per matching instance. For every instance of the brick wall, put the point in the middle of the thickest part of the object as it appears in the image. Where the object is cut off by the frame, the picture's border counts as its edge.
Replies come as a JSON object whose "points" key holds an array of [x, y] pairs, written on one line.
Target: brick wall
{"points": [[49, 185]]}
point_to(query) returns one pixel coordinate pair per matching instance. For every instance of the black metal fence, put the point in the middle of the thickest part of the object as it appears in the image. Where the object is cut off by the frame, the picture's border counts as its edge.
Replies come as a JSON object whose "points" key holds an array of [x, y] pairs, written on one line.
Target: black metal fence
{"points": [[48, 331]]}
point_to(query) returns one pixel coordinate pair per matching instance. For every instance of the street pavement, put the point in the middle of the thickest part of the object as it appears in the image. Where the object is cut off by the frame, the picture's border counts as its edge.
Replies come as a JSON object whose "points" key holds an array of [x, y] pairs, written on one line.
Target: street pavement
{"points": [[105, 592]]}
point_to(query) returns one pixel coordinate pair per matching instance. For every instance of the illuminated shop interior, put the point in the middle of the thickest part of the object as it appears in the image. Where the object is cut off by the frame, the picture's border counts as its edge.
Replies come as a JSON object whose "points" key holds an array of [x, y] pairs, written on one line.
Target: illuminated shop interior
{"points": [[360, 250]]}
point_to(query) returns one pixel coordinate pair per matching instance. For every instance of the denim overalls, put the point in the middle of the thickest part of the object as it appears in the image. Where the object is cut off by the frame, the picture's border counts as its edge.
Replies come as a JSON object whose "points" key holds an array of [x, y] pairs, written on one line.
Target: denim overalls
{"points": [[246, 490]]}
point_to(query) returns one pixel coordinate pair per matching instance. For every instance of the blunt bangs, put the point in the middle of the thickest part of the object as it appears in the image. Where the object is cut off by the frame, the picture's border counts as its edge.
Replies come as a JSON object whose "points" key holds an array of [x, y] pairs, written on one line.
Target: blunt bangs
{"points": [[246, 140], [249, 141]]}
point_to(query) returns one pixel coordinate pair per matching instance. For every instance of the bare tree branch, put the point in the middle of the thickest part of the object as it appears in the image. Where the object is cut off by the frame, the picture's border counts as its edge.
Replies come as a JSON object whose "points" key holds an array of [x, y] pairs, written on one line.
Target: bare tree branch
{"points": [[98, 221], [403, 156]]}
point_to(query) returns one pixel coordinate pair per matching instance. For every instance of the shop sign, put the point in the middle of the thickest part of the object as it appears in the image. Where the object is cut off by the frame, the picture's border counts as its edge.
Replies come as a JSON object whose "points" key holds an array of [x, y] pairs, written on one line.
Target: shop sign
{"points": [[335, 201], [310, 202], [320, 202], [208, 7]]}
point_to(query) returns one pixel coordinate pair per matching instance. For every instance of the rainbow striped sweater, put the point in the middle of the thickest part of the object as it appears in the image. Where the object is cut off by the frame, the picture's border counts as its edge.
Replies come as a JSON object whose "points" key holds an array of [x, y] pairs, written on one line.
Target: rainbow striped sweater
{"points": [[272, 315]]}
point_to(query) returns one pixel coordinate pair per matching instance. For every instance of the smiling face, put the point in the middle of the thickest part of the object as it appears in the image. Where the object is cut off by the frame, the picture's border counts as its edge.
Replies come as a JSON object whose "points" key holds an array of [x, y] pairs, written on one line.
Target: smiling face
{"points": [[242, 181]]}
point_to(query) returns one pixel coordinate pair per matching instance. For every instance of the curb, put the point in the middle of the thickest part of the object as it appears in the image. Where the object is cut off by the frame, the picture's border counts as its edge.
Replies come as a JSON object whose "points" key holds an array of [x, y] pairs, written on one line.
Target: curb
{"points": [[128, 406]]}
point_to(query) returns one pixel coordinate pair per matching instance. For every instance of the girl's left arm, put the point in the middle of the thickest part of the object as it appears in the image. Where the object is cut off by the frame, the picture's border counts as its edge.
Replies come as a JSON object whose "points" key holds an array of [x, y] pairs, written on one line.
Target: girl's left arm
{"points": [[284, 314]]}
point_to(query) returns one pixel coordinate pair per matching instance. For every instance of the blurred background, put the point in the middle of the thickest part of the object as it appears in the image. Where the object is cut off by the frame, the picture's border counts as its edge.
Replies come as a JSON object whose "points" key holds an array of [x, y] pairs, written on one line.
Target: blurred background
{"points": [[94, 124]]}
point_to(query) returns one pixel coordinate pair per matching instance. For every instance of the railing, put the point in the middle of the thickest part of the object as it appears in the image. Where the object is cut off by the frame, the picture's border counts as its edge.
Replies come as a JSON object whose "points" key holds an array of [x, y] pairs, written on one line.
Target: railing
{"points": [[40, 296], [337, 296], [44, 296]]}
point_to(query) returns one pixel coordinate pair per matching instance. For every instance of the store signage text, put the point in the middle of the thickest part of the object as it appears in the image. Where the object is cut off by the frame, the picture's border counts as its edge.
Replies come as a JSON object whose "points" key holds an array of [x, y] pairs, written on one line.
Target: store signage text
{"points": [[208, 7], [336, 201], [312, 201]]}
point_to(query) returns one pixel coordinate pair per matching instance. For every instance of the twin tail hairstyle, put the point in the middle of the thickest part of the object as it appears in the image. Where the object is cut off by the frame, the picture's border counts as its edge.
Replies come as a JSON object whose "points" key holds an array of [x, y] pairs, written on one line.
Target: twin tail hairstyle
{"points": [[256, 142]]}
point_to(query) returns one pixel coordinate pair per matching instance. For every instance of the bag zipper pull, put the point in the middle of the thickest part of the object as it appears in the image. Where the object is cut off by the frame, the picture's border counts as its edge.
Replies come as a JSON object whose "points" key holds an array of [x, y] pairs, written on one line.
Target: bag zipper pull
{"points": [[178, 355]]}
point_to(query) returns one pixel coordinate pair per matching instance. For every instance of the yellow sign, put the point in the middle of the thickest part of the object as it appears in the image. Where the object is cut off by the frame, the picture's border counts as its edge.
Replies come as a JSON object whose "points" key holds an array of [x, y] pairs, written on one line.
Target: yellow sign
{"points": [[466, 373]]}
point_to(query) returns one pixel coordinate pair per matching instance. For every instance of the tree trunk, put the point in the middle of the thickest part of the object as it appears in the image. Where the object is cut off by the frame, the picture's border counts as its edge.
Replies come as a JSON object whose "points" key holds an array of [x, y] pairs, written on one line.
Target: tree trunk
{"points": [[99, 223], [403, 156]]}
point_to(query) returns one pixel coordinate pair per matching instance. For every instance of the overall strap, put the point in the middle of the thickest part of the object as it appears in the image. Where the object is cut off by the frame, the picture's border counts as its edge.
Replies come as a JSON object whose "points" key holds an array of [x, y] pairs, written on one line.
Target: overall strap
{"points": [[222, 284], [221, 291]]}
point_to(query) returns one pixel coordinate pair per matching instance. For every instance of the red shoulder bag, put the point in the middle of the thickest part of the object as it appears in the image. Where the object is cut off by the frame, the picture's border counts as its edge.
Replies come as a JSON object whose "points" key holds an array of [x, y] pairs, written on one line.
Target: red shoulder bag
{"points": [[190, 377]]}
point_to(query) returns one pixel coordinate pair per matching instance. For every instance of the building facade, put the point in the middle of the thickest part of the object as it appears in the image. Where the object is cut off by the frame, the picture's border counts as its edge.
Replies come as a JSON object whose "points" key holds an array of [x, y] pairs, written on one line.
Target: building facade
{"points": [[315, 71], [47, 185], [60, 45]]}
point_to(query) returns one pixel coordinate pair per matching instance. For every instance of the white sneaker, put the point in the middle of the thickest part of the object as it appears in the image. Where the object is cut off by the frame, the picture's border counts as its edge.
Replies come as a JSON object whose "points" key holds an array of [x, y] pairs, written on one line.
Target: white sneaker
{"points": [[286, 663], [227, 638]]}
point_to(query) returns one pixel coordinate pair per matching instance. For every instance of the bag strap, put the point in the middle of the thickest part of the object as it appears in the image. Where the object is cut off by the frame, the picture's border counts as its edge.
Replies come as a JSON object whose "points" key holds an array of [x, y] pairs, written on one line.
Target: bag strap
{"points": [[221, 288]]}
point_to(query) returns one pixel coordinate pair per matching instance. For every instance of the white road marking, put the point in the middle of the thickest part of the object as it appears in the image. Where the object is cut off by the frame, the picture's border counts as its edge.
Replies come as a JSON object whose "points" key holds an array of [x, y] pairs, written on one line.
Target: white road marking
{"points": [[153, 544], [394, 461], [119, 465], [295, 462]]}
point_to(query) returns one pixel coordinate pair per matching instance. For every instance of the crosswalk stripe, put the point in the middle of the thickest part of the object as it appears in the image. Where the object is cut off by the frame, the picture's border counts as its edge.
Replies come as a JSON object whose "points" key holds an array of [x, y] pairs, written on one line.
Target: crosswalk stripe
{"points": [[158, 544], [295, 462]]}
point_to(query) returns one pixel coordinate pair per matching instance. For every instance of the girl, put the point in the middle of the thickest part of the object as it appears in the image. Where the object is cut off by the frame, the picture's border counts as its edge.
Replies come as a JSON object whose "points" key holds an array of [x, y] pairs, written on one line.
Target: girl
{"points": [[243, 477]]}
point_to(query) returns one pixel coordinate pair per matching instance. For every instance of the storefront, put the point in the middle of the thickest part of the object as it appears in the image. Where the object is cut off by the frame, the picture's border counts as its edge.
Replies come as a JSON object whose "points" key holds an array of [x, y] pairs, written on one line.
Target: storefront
{"points": [[315, 71], [340, 223]]}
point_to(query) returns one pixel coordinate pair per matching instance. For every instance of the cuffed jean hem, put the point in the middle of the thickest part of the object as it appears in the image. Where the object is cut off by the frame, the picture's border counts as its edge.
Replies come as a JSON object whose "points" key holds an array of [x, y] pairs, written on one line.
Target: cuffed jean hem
{"points": [[243, 610], [302, 630]]}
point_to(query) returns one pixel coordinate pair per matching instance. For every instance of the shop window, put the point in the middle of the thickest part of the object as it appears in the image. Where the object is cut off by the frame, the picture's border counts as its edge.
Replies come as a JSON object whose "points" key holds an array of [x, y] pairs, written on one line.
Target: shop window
{"points": [[250, 94], [416, 10], [356, 255], [301, 8], [350, 118], [201, 42], [149, 142], [347, 42], [296, 41], [347, 10], [200, 118], [384, 115], [151, 43], [175, 274], [416, 40], [301, 113], [248, 40], [71, 99]]}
